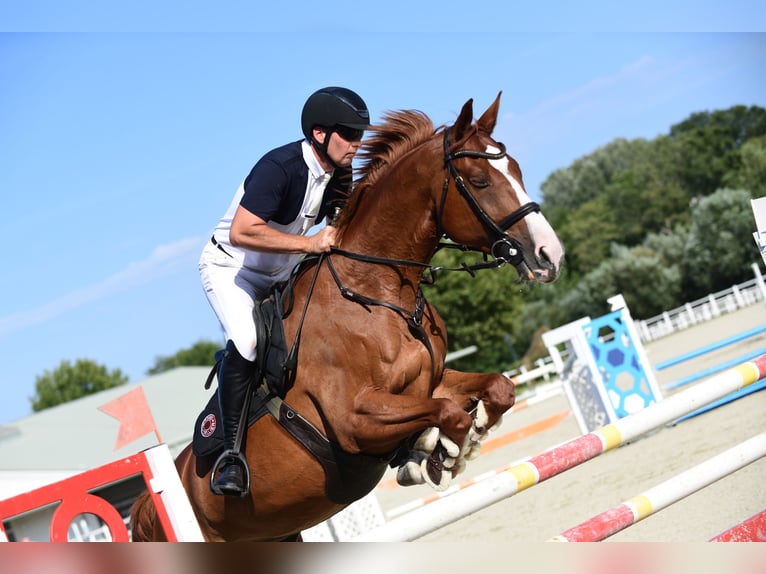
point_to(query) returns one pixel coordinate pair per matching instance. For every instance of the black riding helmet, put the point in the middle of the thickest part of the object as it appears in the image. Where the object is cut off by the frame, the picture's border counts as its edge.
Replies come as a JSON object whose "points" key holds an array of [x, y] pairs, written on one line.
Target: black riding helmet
{"points": [[333, 107]]}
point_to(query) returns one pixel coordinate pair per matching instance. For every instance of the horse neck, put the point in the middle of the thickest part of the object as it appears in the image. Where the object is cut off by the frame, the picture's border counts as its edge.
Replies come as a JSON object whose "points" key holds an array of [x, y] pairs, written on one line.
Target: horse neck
{"points": [[396, 218]]}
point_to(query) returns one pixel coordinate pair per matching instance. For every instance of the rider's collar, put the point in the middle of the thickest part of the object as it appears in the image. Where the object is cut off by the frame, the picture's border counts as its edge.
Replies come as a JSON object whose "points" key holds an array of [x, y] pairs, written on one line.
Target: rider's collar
{"points": [[316, 170]]}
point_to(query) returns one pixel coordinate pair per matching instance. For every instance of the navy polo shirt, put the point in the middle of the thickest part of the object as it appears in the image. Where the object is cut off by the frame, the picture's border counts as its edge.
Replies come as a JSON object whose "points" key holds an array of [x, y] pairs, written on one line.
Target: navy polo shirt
{"points": [[276, 186]]}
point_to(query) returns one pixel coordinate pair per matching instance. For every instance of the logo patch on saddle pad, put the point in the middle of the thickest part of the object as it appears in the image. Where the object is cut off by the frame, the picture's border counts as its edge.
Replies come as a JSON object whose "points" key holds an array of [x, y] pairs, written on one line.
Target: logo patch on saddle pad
{"points": [[208, 426], [208, 434]]}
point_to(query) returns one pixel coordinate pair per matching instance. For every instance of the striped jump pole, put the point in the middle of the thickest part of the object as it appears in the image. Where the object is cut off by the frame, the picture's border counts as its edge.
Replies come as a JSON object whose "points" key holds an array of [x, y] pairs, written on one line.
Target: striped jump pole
{"points": [[709, 348], [663, 495], [570, 454], [710, 371], [751, 530]]}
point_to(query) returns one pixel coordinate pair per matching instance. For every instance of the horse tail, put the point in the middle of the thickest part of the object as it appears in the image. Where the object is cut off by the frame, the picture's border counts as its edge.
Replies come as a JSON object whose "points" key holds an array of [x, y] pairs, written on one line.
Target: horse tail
{"points": [[143, 519]]}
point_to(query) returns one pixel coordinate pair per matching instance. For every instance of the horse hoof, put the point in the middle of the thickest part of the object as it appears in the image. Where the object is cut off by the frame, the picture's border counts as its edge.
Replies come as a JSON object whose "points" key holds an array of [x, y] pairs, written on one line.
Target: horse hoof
{"points": [[410, 474], [497, 424], [473, 452]]}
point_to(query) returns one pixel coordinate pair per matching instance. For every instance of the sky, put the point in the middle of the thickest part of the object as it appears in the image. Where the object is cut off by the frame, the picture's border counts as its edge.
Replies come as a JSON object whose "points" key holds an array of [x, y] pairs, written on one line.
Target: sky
{"points": [[124, 134]]}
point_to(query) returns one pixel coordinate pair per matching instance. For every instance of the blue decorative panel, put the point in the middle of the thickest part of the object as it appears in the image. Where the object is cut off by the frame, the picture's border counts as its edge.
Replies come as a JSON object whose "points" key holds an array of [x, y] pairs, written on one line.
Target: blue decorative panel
{"points": [[616, 356]]}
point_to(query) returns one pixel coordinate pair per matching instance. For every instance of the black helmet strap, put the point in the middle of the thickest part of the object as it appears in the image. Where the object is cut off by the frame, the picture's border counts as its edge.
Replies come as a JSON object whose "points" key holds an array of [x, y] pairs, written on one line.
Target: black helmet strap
{"points": [[322, 148]]}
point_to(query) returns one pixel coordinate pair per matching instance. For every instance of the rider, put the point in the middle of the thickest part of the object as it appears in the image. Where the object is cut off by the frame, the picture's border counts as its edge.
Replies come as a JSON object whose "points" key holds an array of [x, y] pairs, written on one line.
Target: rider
{"points": [[262, 235]]}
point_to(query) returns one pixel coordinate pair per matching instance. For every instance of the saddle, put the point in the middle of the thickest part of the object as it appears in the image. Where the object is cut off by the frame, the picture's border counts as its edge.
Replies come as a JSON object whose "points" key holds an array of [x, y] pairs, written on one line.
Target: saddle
{"points": [[348, 476], [270, 379]]}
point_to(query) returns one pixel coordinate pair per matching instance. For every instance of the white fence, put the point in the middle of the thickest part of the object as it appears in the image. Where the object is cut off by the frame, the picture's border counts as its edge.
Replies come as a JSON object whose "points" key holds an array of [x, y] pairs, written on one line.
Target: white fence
{"points": [[714, 305], [704, 309]]}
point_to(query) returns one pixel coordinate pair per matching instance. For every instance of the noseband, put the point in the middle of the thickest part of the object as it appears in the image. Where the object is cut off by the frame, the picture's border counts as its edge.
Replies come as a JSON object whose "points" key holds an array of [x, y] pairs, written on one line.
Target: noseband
{"points": [[504, 247]]}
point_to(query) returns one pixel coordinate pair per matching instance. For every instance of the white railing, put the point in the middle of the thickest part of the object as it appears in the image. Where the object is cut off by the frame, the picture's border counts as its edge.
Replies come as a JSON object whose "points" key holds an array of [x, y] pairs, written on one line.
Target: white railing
{"points": [[704, 309], [544, 368], [714, 305]]}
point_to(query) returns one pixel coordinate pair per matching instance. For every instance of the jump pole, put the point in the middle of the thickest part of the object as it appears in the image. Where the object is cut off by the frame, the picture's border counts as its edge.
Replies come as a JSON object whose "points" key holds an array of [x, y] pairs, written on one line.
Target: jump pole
{"points": [[711, 347], [663, 495], [568, 455], [751, 530], [713, 370]]}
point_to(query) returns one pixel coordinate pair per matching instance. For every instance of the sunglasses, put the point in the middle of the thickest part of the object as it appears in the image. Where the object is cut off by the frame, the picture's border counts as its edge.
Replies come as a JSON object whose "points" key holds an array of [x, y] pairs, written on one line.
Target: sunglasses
{"points": [[349, 134]]}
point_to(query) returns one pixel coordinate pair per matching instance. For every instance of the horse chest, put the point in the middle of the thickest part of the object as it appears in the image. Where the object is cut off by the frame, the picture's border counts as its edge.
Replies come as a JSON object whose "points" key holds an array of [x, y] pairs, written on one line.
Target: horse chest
{"points": [[409, 370]]}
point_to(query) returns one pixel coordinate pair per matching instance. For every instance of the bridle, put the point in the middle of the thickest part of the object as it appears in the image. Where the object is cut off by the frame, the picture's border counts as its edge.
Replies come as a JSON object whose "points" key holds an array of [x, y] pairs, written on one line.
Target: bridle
{"points": [[504, 247]]}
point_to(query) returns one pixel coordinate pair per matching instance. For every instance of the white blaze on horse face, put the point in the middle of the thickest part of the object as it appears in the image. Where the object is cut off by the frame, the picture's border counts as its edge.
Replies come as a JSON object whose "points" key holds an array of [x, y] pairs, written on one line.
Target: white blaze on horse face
{"points": [[543, 235]]}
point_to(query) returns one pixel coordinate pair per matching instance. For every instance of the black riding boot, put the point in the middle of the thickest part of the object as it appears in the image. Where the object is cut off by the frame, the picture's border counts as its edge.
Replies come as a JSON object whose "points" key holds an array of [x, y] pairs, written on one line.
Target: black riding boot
{"points": [[233, 384]]}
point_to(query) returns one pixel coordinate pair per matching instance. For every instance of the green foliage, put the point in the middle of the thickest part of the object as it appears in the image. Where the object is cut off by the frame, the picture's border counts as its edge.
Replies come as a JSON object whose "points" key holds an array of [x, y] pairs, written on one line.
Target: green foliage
{"points": [[751, 173], [639, 273], [200, 354], [567, 189], [720, 250], [647, 195], [588, 233], [709, 143], [68, 382], [478, 310]]}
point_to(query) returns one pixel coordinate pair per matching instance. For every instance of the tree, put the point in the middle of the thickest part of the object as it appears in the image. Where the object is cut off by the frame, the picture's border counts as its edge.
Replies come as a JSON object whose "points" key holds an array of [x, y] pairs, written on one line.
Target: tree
{"points": [[68, 382], [708, 145], [587, 235], [201, 354], [647, 196], [480, 310], [719, 251], [568, 188], [751, 174], [640, 274]]}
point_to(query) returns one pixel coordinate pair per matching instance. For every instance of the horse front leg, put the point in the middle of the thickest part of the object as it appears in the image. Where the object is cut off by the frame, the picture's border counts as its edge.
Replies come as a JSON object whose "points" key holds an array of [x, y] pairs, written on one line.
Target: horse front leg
{"points": [[434, 458], [381, 421], [489, 395]]}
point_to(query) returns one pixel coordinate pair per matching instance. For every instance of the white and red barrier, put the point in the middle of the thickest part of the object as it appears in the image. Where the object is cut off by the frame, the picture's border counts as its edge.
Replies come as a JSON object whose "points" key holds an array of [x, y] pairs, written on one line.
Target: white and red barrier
{"points": [[663, 495], [573, 453], [74, 497], [751, 530]]}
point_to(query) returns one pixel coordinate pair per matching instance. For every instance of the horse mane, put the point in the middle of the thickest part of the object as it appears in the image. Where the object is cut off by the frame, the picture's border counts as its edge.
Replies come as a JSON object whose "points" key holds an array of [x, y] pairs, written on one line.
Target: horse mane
{"points": [[399, 133]]}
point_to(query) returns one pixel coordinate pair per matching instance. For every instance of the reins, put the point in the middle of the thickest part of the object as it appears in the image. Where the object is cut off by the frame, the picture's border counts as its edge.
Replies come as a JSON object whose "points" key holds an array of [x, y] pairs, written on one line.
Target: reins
{"points": [[505, 249], [427, 267]]}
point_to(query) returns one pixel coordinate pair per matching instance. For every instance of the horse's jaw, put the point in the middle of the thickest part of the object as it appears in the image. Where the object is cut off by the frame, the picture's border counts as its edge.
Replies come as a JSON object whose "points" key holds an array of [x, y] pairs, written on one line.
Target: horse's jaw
{"points": [[541, 269]]}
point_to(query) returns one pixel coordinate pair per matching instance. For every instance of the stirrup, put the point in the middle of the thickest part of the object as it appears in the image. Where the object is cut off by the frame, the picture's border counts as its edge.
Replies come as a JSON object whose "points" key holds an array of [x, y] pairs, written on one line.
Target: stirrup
{"points": [[237, 458]]}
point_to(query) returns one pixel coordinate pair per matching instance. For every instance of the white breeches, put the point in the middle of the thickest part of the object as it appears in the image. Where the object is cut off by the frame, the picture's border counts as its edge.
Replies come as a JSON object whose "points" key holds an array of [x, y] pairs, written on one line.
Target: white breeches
{"points": [[232, 292]]}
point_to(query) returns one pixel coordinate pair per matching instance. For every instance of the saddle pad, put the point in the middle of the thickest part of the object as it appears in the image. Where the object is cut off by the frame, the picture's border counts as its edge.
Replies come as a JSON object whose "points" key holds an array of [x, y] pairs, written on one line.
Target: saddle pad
{"points": [[208, 433], [348, 476]]}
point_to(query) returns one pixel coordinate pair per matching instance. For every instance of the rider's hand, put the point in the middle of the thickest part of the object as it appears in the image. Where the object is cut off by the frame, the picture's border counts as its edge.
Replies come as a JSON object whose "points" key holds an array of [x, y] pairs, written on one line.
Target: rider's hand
{"points": [[323, 240]]}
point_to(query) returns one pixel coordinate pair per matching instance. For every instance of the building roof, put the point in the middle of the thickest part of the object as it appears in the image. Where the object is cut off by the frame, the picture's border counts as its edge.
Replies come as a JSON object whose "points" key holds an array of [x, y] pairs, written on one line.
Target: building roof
{"points": [[77, 436]]}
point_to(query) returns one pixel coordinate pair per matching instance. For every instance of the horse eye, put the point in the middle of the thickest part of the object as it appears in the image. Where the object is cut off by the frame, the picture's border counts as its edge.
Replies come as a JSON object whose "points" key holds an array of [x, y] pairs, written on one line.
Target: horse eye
{"points": [[478, 182]]}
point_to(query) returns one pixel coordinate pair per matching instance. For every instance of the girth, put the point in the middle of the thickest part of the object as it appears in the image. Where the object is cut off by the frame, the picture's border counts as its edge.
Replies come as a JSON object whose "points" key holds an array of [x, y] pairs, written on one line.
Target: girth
{"points": [[348, 477]]}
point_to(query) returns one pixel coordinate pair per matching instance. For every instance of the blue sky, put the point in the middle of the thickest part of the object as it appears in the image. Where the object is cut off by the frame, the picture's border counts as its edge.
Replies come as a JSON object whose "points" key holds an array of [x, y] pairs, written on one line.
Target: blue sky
{"points": [[124, 135]]}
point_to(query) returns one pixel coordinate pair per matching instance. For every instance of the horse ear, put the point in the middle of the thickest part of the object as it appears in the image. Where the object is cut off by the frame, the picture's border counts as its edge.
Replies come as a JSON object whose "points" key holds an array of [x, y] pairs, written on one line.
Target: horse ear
{"points": [[464, 120], [488, 119]]}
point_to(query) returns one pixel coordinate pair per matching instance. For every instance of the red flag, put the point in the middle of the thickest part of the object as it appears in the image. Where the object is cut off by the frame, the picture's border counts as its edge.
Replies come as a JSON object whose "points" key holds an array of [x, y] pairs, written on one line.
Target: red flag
{"points": [[134, 414]]}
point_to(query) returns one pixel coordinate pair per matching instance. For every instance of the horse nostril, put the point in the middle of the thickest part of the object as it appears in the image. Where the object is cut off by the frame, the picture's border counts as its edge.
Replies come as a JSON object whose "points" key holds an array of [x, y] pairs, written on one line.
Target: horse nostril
{"points": [[544, 258]]}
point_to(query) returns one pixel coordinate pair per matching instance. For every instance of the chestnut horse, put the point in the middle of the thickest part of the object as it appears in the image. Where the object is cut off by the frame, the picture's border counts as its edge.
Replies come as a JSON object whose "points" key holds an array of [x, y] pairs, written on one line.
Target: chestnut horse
{"points": [[371, 373]]}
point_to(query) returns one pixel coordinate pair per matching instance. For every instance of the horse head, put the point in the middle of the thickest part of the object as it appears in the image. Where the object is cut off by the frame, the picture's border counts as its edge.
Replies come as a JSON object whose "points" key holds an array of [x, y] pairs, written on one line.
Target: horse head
{"points": [[484, 204]]}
